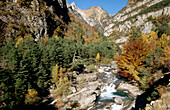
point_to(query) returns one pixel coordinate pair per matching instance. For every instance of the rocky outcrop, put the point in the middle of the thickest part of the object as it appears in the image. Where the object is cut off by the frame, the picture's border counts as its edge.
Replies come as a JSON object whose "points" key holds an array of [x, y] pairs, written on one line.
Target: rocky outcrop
{"points": [[163, 103], [85, 90], [134, 16], [130, 2], [94, 16], [37, 18], [133, 90], [87, 95]]}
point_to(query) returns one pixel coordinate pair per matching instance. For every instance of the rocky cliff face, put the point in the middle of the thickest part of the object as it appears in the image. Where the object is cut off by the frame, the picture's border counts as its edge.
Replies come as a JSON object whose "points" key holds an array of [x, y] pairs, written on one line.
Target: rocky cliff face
{"points": [[137, 13], [130, 2], [36, 17], [94, 16]]}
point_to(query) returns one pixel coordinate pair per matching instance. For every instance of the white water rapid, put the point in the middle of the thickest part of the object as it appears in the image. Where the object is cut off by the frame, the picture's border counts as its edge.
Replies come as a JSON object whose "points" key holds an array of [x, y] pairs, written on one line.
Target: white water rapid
{"points": [[106, 100]]}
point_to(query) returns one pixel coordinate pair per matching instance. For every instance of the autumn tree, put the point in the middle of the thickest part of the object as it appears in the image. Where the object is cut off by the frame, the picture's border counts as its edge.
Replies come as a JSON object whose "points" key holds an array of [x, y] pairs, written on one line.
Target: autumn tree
{"points": [[132, 59], [61, 82], [97, 57]]}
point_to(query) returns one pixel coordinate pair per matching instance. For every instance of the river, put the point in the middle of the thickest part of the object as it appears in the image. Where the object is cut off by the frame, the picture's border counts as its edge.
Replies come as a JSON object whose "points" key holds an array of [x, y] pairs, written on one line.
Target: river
{"points": [[106, 100]]}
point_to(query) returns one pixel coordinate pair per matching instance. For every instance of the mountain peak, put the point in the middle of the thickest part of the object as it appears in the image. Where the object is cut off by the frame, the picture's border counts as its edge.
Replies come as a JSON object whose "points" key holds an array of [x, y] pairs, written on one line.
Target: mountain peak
{"points": [[95, 8], [94, 16], [73, 4]]}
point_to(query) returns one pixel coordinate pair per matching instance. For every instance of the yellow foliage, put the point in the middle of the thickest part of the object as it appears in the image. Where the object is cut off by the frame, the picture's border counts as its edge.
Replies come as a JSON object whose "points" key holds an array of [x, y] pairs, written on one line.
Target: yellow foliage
{"points": [[56, 36], [114, 31], [20, 39], [31, 97], [164, 40], [95, 34], [97, 57], [150, 37], [62, 87], [83, 27], [58, 31], [151, 40], [28, 36], [132, 71], [61, 81], [55, 74], [166, 57]]}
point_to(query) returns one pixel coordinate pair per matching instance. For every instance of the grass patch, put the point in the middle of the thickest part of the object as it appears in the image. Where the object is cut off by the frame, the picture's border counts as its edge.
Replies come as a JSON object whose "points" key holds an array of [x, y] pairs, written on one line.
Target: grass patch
{"points": [[92, 68]]}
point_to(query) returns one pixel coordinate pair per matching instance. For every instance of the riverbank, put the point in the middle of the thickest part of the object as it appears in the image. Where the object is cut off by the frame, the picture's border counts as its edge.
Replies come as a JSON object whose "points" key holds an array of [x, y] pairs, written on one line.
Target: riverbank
{"points": [[100, 89]]}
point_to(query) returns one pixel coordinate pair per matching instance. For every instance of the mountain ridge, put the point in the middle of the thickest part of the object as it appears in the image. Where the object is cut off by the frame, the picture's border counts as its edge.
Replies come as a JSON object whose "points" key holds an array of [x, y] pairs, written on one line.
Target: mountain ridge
{"points": [[136, 16], [94, 16], [133, 15]]}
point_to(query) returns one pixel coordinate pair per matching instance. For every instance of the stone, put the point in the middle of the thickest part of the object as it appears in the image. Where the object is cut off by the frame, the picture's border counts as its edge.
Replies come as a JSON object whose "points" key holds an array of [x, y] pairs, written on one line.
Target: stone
{"points": [[100, 70], [114, 65], [118, 100], [86, 95], [122, 40], [87, 101], [87, 77], [133, 90], [114, 71], [93, 85], [163, 103], [148, 107], [73, 89]]}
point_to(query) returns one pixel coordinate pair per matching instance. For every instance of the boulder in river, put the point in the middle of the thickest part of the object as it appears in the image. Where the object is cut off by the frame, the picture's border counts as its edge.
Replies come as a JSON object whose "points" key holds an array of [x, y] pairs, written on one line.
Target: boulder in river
{"points": [[118, 100], [133, 90], [100, 70]]}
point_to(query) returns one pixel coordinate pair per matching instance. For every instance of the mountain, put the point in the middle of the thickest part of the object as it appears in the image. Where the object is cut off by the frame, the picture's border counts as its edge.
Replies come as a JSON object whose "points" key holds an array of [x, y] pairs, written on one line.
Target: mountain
{"points": [[36, 17], [137, 14], [40, 18], [95, 16]]}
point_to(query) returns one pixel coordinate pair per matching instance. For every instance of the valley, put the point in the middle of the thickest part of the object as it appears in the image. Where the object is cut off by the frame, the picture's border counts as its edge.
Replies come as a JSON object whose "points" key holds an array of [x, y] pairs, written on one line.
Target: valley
{"points": [[56, 56]]}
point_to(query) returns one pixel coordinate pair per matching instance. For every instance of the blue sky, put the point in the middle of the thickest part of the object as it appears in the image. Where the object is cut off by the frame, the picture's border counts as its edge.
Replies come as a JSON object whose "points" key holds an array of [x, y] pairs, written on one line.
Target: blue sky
{"points": [[111, 6]]}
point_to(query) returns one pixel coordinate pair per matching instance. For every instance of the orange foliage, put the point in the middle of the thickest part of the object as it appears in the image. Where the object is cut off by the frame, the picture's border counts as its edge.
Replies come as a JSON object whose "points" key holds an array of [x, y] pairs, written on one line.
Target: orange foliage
{"points": [[132, 59]]}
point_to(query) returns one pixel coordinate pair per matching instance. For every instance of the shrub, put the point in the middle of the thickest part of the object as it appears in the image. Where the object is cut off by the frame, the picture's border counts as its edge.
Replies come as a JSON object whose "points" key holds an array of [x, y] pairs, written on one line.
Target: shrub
{"points": [[31, 97], [91, 68], [163, 28], [106, 61], [135, 33], [61, 82]]}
